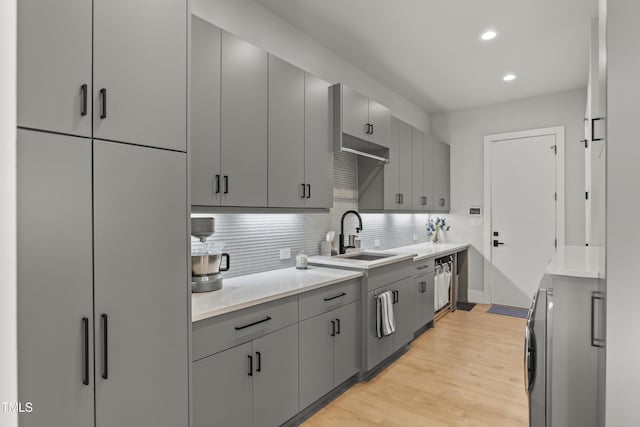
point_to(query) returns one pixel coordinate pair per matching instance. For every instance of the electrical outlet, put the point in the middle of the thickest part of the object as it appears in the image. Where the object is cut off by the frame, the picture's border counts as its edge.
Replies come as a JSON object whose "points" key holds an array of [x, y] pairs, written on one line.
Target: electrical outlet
{"points": [[376, 243], [285, 253], [415, 237]]}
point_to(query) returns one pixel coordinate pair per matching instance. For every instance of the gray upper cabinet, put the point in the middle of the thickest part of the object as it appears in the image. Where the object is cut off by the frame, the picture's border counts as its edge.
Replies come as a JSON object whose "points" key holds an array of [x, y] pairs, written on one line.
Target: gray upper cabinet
{"points": [[243, 123], [287, 186], [355, 113], [380, 119], [398, 172], [223, 388], [54, 66], [205, 113], [440, 163], [55, 279], [140, 72], [140, 286], [275, 383], [318, 146], [422, 180]]}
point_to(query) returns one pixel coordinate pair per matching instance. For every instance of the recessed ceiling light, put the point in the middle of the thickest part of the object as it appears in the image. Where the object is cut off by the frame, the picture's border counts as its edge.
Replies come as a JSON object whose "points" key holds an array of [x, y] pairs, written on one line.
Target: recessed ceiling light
{"points": [[488, 35], [509, 77]]}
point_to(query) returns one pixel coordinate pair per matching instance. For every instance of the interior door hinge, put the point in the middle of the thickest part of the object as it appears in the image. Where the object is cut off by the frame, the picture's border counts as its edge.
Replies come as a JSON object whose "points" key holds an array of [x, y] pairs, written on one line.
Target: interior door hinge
{"points": [[586, 143], [555, 196], [555, 243], [555, 149], [586, 195]]}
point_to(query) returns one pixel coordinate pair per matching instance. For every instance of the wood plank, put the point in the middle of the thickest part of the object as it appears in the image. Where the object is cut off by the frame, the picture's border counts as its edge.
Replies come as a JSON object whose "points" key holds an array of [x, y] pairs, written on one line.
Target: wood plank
{"points": [[467, 371]]}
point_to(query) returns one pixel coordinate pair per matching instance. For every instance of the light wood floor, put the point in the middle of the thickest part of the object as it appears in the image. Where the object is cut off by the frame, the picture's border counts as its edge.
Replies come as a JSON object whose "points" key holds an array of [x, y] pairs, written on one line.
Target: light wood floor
{"points": [[467, 371]]}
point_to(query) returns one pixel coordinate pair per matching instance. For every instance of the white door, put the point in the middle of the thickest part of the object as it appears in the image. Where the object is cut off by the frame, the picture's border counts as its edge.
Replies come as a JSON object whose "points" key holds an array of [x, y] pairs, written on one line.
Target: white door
{"points": [[523, 216]]}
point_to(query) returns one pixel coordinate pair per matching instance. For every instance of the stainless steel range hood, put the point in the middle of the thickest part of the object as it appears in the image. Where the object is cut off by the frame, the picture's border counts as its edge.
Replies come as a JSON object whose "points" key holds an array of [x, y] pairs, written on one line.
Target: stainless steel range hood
{"points": [[354, 127]]}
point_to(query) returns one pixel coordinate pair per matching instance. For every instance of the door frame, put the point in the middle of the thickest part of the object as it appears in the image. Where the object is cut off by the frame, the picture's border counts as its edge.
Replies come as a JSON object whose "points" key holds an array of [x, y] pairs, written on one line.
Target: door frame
{"points": [[559, 133]]}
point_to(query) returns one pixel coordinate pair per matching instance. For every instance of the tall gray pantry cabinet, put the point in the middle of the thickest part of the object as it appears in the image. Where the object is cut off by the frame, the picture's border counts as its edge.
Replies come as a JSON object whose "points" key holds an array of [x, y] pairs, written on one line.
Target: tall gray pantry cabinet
{"points": [[103, 319]]}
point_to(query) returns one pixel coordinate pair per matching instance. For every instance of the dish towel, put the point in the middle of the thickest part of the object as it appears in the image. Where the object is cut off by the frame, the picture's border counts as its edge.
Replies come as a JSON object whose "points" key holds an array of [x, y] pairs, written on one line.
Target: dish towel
{"points": [[385, 321]]}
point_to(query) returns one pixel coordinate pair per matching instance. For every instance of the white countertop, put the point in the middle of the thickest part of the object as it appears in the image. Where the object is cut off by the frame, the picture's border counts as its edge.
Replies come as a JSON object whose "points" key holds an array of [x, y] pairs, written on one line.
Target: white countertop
{"points": [[253, 289], [578, 261], [429, 250], [355, 264]]}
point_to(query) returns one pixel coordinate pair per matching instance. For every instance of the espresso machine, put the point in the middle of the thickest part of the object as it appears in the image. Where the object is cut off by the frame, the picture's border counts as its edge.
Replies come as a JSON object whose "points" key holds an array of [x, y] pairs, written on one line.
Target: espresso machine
{"points": [[205, 260]]}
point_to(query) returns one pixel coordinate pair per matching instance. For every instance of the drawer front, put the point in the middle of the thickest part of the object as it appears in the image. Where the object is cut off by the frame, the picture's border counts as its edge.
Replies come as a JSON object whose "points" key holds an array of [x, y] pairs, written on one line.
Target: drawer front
{"points": [[383, 276], [213, 335], [424, 266], [322, 300]]}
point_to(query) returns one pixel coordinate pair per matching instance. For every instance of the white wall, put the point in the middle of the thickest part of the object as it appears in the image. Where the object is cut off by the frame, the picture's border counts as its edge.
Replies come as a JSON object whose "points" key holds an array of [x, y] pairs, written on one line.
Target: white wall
{"points": [[8, 357], [623, 233], [251, 21], [465, 130]]}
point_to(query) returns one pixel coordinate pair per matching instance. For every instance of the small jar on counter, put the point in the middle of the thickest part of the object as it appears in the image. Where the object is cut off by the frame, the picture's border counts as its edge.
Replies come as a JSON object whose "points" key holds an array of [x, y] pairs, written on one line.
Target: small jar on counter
{"points": [[301, 261]]}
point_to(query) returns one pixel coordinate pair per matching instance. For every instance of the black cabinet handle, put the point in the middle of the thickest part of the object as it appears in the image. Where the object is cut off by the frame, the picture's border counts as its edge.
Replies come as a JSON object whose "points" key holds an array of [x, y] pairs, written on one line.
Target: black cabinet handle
{"points": [[442, 202], [266, 319], [396, 296], [422, 267], [103, 103], [423, 201], [217, 184], [593, 129], [335, 297], [250, 373], [333, 328], [398, 198], [105, 347], [303, 191], [83, 99], [85, 351], [308, 191], [226, 184], [595, 342], [337, 326], [259, 364], [366, 128], [423, 287]]}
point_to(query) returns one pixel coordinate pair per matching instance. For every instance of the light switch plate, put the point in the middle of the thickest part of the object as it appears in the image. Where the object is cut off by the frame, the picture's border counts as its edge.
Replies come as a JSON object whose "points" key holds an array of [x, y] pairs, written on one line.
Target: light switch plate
{"points": [[285, 253]]}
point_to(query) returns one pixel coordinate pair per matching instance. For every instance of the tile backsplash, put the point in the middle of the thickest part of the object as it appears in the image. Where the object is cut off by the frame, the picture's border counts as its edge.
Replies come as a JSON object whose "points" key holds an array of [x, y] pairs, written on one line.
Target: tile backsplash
{"points": [[254, 240]]}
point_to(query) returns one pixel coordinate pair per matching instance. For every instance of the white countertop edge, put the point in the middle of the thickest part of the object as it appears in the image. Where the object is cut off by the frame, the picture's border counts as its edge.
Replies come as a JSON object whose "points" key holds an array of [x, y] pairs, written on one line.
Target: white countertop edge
{"points": [[424, 251], [352, 264], [349, 275], [578, 261]]}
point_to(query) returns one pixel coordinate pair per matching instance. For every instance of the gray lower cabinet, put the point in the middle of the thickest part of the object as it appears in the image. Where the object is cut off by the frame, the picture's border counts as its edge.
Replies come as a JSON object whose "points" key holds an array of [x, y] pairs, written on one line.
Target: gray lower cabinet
{"points": [[440, 163], [205, 113], [55, 280], [54, 66], [318, 145], [378, 349], [426, 284], [223, 388], [244, 106], [287, 186], [253, 384], [329, 351], [406, 311], [275, 382], [139, 72], [141, 290]]}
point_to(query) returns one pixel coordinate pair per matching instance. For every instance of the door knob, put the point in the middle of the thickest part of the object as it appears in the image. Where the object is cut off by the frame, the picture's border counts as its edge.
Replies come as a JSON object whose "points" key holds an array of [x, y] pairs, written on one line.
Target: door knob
{"points": [[497, 243]]}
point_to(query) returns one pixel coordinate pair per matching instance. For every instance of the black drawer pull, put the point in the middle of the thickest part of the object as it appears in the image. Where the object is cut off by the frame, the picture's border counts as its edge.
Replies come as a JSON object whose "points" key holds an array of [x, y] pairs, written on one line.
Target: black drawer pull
{"points": [[105, 347], [337, 326], [103, 99], [266, 319], [336, 297], [250, 373], [259, 364], [83, 101], [85, 351], [422, 267], [333, 328]]}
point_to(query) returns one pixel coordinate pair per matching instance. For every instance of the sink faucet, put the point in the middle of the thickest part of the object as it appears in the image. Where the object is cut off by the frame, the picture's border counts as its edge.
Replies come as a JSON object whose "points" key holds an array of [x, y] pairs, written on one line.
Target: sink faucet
{"points": [[343, 248]]}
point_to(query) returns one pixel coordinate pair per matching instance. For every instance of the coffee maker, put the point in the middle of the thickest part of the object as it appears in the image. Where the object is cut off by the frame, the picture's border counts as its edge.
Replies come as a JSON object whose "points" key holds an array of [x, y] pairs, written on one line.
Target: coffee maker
{"points": [[206, 263]]}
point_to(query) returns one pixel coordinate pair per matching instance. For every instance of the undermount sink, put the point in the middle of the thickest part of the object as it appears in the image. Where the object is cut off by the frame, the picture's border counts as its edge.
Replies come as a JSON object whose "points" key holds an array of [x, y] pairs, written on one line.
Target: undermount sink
{"points": [[363, 256]]}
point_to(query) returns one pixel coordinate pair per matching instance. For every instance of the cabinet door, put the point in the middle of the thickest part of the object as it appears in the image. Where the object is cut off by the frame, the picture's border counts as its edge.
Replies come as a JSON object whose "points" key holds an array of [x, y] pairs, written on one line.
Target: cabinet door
{"points": [[223, 389], [355, 113], [141, 284], [205, 113], [347, 341], [54, 62], [55, 279], [318, 145], [316, 357], [427, 284], [441, 179], [392, 168], [405, 175], [286, 134], [378, 349], [418, 201], [275, 382], [427, 162], [406, 311], [244, 123], [140, 59], [380, 118]]}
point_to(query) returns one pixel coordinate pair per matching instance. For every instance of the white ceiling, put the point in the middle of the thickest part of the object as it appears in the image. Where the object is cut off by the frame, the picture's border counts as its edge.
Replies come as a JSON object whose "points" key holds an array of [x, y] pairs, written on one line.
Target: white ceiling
{"points": [[430, 51]]}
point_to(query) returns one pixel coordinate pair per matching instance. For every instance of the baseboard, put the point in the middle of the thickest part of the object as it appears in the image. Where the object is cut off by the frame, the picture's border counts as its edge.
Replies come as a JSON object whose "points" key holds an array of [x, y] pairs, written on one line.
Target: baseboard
{"points": [[479, 297]]}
